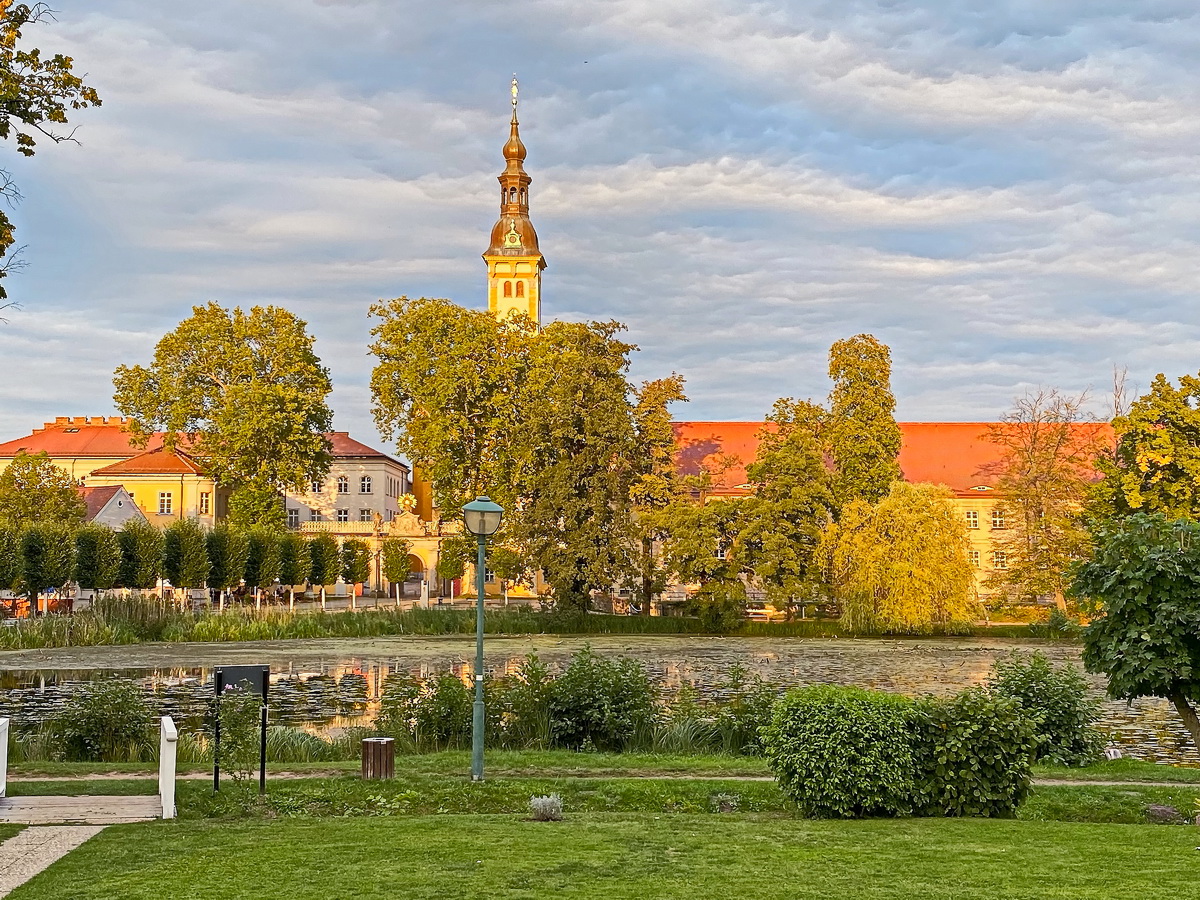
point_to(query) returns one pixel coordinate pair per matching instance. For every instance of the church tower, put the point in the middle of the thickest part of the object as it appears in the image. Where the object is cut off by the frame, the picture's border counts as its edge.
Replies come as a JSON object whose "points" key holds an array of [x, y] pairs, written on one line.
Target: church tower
{"points": [[513, 259]]}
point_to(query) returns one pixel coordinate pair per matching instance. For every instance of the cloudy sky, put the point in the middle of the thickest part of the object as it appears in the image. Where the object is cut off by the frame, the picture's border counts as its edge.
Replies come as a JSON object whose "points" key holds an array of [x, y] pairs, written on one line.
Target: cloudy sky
{"points": [[1006, 193]]}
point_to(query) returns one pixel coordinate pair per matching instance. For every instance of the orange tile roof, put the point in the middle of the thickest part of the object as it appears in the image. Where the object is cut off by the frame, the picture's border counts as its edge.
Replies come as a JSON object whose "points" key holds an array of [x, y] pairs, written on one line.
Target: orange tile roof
{"points": [[96, 498], [344, 446], [956, 454], [153, 462]]}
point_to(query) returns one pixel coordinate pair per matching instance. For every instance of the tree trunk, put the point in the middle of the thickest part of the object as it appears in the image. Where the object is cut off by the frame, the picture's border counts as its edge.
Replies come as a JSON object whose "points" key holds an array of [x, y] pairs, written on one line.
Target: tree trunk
{"points": [[1188, 714], [647, 576], [292, 598]]}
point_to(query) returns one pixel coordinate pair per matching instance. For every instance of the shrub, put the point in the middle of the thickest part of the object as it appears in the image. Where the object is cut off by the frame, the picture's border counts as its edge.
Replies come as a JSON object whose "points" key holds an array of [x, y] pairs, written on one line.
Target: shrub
{"points": [[106, 721], [546, 809], [601, 704], [397, 709], [685, 728], [523, 703], [1056, 698], [974, 755], [240, 714], [442, 714], [743, 710], [843, 752]]}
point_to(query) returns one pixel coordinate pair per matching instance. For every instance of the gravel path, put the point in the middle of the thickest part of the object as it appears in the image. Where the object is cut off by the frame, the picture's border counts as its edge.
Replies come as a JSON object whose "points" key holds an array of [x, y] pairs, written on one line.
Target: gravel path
{"points": [[36, 848]]}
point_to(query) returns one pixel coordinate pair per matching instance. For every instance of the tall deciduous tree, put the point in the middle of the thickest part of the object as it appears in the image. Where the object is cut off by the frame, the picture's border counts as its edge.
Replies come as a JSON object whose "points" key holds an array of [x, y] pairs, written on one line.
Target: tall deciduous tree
{"points": [[97, 557], [325, 562], [656, 482], [1155, 466], [141, 555], [860, 430], [701, 546], [1144, 577], [185, 556], [1049, 451], [783, 522], [228, 552], [47, 559], [901, 565], [38, 91], [574, 520], [263, 556], [10, 557], [356, 561], [249, 391], [396, 565], [34, 491], [448, 387]]}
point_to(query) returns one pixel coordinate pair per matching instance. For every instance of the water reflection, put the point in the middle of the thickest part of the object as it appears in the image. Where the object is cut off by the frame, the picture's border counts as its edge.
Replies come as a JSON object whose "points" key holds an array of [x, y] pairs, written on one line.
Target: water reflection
{"points": [[332, 685]]}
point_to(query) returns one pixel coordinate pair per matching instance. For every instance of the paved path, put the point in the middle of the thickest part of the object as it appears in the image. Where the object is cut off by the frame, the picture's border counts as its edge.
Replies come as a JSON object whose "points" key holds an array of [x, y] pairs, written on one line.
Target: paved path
{"points": [[90, 810], [35, 849]]}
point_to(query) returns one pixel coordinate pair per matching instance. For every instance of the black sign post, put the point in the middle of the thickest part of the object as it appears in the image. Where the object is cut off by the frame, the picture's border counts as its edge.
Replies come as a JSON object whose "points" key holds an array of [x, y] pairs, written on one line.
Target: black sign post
{"points": [[252, 678]]}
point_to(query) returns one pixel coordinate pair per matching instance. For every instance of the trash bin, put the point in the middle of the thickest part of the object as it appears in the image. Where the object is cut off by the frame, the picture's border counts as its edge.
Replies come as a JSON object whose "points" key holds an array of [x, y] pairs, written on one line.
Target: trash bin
{"points": [[378, 758]]}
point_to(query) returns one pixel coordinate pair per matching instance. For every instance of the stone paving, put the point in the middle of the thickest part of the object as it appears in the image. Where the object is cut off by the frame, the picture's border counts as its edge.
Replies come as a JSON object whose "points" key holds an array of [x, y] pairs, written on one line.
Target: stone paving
{"points": [[36, 848]]}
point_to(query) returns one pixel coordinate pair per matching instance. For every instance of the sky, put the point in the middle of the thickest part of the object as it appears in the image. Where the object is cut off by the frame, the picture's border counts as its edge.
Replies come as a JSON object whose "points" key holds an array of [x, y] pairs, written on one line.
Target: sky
{"points": [[1005, 193]]}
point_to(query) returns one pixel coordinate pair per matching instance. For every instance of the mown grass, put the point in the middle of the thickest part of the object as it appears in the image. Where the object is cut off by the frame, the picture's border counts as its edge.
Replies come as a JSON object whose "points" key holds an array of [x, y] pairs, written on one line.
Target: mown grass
{"points": [[622, 856], [1121, 770], [132, 621]]}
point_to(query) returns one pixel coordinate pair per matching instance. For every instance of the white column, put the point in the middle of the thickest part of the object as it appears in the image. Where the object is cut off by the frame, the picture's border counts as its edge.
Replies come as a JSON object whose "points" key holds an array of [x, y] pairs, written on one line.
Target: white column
{"points": [[4, 757], [168, 745]]}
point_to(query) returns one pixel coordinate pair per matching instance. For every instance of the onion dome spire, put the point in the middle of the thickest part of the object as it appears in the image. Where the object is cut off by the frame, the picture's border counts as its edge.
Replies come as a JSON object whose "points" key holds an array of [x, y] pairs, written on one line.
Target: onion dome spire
{"points": [[513, 234]]}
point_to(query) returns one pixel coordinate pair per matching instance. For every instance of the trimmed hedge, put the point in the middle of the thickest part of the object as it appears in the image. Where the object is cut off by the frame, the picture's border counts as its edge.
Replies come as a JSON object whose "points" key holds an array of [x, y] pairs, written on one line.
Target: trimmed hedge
{"points": [[842, 752]]}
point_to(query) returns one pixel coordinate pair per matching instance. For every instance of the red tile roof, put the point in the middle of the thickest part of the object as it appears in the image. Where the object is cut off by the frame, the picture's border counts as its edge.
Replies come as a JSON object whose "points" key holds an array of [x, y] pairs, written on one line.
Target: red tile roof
{"points": [[956, 454], [96, 498], [345, 446], [153, 462]]}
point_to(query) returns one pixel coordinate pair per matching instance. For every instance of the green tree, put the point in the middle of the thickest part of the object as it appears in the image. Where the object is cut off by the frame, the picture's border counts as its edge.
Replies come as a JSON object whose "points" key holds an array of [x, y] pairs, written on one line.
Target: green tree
{"points": [[860, 430], [448, 388], [574, 521], [10, 557], [257, 503], [396, 565], [701, 545], [263, 556], [1155, 465], [34, 491], [356, 561], [97, 557], [249, 390], [141, 555], [325, 558], [901, 565], [47, 560], [656, 482], [228, 551], [782, 524], [295, 564], [1043, 477], [1143, 577], [185, 556], [38, 90]]}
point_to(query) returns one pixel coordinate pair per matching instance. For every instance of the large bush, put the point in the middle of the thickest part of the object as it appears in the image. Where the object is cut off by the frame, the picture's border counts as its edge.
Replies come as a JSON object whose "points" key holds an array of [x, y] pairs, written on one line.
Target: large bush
{"points": [[973, 755], [442, 714], [844, 752], [106, 721], [1056, 698], [601, 704]]}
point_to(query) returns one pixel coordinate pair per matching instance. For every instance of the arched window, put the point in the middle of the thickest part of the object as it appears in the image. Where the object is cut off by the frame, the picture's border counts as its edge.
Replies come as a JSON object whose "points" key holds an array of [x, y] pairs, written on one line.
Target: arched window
{"points": [[512, 195], [520, 289], [524, 198], [508, 289], [343, 484], [364, 485]]}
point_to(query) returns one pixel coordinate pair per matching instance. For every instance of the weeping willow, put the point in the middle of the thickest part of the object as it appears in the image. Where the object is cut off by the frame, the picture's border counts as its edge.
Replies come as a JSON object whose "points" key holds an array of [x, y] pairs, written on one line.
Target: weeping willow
{"points": [[900, 566]]}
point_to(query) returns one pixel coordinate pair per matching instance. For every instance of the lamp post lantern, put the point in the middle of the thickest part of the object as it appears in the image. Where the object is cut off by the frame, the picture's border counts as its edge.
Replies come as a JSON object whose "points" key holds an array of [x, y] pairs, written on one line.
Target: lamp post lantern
{"points": [[482, 518]]}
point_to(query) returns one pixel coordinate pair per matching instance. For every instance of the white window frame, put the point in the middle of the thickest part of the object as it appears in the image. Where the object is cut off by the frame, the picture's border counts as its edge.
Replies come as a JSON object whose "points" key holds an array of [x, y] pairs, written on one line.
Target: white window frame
{"points": [[364, 484], [343, 515], [166, 503], [972, 519], [999, 559], [343, 484], [293, 517], [998, 523]]}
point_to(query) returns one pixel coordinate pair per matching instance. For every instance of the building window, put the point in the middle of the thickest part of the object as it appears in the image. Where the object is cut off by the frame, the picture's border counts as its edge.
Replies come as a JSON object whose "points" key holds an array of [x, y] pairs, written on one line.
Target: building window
{"points": [[165, 503], [364, 484], [314, 516], [317, 487], [508, 289], [722, 553], [999, 559], [343, 484], [364, 515], [293, 518], [520, 289], [343, 515], [205, 503], [972, 519], [998, 519], [973, 557], [489, 575]]}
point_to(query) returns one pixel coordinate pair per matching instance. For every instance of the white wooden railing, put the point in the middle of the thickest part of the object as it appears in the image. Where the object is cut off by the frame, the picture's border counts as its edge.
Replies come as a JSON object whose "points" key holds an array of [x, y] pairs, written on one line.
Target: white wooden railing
{"points": [[4, 757], [168, 745]]}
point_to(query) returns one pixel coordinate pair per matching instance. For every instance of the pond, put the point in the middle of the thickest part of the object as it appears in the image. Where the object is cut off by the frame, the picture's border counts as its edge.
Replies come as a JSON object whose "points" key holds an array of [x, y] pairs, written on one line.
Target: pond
{"points": [[327, 685]]}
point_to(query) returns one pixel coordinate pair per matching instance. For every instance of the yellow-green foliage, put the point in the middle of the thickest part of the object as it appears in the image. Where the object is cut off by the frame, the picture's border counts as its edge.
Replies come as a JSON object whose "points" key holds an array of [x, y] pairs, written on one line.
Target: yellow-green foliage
{"points": [[901, 565]]}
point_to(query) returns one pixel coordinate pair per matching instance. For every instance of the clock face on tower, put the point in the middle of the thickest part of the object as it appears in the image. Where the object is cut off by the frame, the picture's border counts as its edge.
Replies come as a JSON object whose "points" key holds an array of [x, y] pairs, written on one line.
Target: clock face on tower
{"points": [[512, 239]]}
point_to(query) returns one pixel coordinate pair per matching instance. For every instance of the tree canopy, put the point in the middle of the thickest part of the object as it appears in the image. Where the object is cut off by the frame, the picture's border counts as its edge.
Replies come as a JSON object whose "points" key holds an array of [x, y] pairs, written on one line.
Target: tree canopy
{"points": [[37, 93], [34, 491], [901, 565], [1143, 576], [246, 392]]}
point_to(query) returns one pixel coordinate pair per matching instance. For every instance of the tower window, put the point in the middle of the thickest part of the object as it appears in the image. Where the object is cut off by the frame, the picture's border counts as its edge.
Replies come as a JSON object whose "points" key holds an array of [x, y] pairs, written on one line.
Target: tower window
{"points": [[508, 289], [520, 289], [512, 195]]}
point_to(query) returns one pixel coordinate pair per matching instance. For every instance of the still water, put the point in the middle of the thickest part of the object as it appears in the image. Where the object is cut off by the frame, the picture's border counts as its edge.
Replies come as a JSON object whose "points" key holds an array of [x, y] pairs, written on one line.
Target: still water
{"points": [[324, 685]]}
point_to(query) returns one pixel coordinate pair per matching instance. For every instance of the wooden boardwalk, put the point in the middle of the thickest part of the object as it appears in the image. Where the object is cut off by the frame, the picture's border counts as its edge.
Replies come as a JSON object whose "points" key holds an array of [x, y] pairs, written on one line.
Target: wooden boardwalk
{"points": [[90, 810]]}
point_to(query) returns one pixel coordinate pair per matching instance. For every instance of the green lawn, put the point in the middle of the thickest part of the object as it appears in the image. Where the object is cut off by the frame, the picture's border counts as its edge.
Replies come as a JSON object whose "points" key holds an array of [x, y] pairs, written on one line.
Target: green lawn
{"points": [[1121, 770], [615, 856]]}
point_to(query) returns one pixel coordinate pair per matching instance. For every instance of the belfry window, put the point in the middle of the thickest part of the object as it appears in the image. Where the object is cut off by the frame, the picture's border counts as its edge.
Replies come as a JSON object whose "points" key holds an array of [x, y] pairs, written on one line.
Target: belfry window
{"points": [[512, 195], [508, 289], [520, 289]]}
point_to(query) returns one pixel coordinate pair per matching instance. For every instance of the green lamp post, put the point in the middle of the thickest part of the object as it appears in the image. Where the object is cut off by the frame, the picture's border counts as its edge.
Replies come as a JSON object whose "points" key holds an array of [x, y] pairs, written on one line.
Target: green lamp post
{"points": [[482, 518]]}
